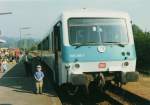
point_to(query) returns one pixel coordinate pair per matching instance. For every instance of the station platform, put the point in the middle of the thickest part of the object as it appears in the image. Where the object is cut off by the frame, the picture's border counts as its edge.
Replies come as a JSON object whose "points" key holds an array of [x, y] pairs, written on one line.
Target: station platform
{"points": [[17, 89]]}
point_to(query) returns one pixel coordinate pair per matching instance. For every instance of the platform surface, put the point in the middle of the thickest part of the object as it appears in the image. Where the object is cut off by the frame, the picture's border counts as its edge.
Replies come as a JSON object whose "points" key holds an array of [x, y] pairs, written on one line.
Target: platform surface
{"points": [[17, 89]]}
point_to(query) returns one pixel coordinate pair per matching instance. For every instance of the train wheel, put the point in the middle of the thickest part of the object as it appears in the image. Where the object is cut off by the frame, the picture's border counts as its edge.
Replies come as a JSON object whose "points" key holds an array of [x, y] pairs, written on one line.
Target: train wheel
{"points": [[72, 90], [118, 84], [107, 85], [68, 89]]}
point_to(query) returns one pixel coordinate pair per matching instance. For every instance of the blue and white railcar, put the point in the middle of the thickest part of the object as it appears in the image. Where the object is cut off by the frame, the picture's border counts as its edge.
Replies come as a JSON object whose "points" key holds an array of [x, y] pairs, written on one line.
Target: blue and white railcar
{"points": [[90, 45]]}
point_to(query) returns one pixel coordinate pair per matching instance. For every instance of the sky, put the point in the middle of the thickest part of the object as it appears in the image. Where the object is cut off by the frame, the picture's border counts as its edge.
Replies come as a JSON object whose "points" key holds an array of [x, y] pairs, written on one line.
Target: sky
{"points": [[39, 15]]}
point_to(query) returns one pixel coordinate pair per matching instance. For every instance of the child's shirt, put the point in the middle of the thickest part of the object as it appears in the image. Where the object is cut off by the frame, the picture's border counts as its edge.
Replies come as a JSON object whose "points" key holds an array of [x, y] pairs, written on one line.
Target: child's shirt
{"points": [[39, 75]]}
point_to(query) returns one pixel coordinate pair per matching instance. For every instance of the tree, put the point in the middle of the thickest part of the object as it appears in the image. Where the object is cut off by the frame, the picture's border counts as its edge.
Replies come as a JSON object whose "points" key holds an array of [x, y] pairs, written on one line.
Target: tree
{"points": [[142, 45]]}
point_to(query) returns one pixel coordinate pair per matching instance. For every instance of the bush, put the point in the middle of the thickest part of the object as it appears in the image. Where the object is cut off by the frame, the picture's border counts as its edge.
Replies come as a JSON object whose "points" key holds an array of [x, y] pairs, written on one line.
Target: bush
{"points": [[142, 45]]}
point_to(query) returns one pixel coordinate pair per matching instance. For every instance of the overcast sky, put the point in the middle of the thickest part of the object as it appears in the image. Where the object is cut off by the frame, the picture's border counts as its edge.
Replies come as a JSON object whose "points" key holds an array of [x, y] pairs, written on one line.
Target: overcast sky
{"points": [[40, 14]]}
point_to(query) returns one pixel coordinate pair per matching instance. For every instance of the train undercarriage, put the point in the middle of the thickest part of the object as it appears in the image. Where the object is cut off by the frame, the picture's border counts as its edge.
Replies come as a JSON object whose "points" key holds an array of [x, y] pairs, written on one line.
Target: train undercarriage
{"points": [[99, 81]]}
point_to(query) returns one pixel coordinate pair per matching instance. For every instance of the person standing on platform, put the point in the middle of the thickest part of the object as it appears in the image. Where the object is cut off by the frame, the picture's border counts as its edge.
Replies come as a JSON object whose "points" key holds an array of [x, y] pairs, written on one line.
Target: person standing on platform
{"points": [[4, 65], [17, 54], [39, 75], [21, 57], [27, 63]]}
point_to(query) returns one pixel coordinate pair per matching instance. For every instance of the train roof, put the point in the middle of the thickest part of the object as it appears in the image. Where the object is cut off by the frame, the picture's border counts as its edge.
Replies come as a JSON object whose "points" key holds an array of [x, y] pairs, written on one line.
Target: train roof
{"points": [[95, 13]]}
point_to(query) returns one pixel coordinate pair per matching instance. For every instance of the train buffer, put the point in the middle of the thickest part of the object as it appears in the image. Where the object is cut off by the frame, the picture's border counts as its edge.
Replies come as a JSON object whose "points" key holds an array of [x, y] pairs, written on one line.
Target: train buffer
{"points": [[17, 89]]}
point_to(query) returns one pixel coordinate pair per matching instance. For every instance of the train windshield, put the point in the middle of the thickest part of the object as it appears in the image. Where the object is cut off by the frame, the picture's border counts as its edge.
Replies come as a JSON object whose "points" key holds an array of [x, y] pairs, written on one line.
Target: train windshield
{"points": [[85, 31]]}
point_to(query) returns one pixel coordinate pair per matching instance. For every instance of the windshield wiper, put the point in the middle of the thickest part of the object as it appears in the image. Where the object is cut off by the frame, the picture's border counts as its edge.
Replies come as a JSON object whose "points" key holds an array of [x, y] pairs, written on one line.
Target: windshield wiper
{"points": [[77, 45], [84, 44], [91, 42], [121, 45], [111, 42], [118, 43]]}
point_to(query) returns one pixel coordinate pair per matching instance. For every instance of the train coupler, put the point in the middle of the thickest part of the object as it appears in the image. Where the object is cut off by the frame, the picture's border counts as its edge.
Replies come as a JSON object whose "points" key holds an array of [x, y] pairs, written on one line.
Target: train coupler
{"points": [[101, 81]]}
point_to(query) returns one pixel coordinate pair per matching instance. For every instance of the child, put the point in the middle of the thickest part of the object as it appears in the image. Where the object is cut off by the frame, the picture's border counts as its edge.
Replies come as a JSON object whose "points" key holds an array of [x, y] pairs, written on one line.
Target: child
{"points": [[39, 75]]}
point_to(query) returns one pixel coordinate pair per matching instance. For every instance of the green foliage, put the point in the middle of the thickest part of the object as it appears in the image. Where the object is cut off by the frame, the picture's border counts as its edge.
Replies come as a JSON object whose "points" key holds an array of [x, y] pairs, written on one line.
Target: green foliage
{"points": [[142, 45], [34, 47], [26, 43]]}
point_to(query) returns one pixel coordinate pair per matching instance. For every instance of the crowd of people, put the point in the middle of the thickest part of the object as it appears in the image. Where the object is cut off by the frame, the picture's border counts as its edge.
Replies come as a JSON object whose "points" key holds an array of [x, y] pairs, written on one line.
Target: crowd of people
{"points": [[6, 56]]}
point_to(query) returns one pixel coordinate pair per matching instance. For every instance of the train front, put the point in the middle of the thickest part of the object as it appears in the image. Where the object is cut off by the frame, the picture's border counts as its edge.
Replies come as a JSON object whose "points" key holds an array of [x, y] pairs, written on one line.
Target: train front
{"points": [[98, 49]]}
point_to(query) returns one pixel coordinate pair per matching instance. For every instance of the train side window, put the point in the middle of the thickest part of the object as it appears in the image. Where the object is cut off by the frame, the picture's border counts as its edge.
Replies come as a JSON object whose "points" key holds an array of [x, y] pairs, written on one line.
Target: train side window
{"points": [[57, 39], [52, 34]]}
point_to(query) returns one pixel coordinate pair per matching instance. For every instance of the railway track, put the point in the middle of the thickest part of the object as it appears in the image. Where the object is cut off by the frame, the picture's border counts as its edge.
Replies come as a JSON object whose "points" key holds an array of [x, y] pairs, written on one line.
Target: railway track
{"points": [[113, 96], [127, 98], [118, 98]]}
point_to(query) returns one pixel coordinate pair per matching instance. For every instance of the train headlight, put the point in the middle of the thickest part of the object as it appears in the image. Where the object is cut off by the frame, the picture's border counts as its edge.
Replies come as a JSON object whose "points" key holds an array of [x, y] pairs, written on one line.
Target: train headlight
{"points": [[67, 66], [77, 65], [126, 64]]}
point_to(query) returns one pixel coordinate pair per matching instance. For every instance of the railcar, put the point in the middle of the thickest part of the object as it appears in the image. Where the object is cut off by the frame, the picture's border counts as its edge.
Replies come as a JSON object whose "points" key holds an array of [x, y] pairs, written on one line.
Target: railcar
{"points": [[86, 46]]}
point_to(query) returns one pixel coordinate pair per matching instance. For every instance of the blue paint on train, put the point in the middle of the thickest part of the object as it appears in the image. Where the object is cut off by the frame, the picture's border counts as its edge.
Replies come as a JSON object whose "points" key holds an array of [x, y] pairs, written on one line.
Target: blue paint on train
{"points": [[90, 53]]}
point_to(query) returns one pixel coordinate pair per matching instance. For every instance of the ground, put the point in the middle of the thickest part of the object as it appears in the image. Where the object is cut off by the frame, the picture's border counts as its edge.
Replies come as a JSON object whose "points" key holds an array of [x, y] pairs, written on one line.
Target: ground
{"points": [[17, 89], [141, 88]]}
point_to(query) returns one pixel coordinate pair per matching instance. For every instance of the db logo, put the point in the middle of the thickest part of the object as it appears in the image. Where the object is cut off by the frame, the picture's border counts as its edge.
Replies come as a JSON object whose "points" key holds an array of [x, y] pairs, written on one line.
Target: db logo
{"points": [[101, 49]]}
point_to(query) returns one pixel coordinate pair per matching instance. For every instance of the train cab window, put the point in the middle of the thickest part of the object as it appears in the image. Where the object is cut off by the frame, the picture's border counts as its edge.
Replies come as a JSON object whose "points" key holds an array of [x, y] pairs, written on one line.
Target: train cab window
{"points": [[94, 31], [57, 39]]}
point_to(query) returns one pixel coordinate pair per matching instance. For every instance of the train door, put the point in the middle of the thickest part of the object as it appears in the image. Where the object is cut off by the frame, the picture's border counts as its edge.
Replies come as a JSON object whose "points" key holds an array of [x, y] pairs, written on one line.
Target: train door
{"points": [[57, 49]]}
